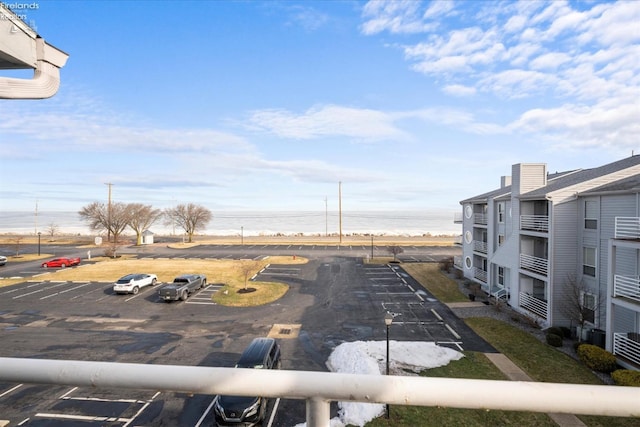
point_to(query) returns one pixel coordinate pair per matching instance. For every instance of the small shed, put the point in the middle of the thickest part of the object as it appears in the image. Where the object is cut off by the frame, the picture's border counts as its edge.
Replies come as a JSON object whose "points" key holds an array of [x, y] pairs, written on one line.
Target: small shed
{"points": [[147, 237]]}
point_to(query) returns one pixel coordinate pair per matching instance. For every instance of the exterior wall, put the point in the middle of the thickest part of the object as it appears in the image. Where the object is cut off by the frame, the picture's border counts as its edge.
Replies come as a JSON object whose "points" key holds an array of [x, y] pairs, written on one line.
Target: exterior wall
{"points": [[528, 176]]}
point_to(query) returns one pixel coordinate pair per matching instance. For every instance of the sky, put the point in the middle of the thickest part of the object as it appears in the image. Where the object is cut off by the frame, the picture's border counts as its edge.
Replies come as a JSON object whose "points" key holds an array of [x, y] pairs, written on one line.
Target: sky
{"points": [[302, 106], [369, 358]]}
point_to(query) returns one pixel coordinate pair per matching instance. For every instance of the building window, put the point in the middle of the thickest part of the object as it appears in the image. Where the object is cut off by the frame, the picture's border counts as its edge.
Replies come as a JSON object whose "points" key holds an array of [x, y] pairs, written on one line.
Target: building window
{"points": [[467, 262], [589, 307], [500, 239], [501, 276], [500, 212], [589, 261], [590, 215]]}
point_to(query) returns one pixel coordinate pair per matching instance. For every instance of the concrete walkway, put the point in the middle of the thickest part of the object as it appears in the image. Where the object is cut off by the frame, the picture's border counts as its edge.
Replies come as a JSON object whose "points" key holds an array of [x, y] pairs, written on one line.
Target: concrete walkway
{"points": [[514, 373]]}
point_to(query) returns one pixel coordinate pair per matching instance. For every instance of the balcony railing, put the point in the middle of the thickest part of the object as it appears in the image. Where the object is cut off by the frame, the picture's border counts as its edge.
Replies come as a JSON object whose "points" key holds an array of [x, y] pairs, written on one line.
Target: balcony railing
{"points": [[627, 227], [626, 347], [480, 246], [480, 274], [457, 261], [626, 286], [533, 304], [457, 217], [534, 264], [534, 223], [479, 218]]}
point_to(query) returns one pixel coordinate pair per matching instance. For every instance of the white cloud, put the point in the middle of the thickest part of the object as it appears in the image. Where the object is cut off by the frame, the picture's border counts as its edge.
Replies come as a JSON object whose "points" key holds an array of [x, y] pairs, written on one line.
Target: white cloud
{"points": [[551, 60], [360, 125], [459, 90], [395, 16]]}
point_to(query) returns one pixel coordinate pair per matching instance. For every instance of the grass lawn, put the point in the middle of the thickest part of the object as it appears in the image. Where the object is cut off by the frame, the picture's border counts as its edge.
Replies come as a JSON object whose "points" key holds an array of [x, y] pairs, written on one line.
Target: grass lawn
{"points": [[432, 278]]}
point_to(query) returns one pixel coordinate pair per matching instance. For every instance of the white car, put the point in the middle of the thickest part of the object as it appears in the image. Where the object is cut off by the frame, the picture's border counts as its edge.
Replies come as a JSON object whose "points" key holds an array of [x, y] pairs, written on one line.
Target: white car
{"points": [[131, 283], [3, 260]]}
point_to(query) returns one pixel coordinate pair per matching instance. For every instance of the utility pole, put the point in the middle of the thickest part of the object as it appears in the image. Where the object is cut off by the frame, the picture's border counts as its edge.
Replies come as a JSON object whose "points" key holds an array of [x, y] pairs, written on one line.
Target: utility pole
{"points": [[109, 213], [340, 207], [326, 217]]}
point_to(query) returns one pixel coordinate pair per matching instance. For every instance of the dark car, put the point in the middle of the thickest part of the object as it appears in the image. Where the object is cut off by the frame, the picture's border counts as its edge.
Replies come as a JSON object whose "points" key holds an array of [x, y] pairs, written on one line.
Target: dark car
{"points": [[262, 353]]}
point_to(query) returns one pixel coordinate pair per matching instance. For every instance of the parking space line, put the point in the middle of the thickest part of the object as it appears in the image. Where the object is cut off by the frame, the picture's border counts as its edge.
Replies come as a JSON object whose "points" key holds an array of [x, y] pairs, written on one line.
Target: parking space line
{"points": [[455, 334], [39, 290], [65, 291], [142, 409], [83, 417], [206, 412], [11, 390]]}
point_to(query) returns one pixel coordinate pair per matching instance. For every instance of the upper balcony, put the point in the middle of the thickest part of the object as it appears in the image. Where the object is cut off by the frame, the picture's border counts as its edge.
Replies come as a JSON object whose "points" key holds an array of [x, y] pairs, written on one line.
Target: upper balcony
{"points": [[627, 228], [480, 246], [534, 264], [539, 223], [626, 286], [480, 219]]}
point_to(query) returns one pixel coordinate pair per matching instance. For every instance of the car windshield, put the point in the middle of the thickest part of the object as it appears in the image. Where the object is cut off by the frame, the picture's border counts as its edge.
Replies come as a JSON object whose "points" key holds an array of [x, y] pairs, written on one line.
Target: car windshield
{"points": [[125, 279]]}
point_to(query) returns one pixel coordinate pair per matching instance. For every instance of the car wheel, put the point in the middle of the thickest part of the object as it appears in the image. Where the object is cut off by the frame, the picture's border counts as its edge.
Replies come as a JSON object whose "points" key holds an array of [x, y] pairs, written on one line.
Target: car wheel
{"points": [[184, 295], [154, 282], [45, 266], [63, 265], [204, 283], [135, 290]]}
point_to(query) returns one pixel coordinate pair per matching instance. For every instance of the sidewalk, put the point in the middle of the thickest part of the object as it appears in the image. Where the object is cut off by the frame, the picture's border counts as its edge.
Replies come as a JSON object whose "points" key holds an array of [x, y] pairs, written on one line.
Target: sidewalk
{"points": [[514, 373]]}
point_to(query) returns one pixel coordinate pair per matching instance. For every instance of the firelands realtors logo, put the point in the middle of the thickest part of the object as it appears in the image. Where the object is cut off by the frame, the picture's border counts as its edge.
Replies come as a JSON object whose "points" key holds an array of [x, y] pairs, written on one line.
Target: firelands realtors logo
{"points": [[22, 11]]}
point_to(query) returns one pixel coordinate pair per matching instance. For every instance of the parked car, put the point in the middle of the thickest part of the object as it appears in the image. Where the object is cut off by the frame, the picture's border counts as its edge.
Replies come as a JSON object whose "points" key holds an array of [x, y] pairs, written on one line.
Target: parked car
{"points": [[131, 283], [262, 353], [3, 260], [182, 287], [61, 262]]}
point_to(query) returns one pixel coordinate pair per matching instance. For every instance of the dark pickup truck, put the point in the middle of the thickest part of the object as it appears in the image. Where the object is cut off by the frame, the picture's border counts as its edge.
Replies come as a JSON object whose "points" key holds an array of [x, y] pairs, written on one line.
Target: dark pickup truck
{"points": [[182, 287]]}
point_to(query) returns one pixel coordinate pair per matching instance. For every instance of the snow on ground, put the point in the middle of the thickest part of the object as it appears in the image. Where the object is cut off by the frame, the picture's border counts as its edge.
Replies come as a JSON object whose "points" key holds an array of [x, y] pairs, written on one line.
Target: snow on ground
{"points": [[369, 357]]}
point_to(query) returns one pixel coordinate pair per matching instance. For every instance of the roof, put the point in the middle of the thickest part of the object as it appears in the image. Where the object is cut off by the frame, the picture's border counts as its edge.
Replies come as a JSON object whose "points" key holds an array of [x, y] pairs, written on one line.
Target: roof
{"points": [[254, 354], [629, 184], [559, 180]]}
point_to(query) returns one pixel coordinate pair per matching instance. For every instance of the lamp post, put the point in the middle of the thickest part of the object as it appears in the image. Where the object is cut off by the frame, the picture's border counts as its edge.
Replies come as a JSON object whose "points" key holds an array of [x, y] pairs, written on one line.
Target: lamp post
{"points": [[388, 320], [39, 243]]}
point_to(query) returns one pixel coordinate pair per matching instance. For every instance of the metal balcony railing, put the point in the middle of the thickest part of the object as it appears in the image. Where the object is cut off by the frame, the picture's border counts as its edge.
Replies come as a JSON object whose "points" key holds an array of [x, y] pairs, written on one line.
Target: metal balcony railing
{"points": [[480, 274], [457, 261], [627, 227], [479, 218], [626, 347], [319, 389], [457, 218], [534, 264], [534, 223], [534, 305], [626, 286], [480, 246]]}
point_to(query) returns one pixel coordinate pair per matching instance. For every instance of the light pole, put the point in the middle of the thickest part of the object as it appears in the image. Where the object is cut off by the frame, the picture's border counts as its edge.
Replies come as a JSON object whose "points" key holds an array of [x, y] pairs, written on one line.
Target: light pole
{"points": [[39, 243], [388, 320]]}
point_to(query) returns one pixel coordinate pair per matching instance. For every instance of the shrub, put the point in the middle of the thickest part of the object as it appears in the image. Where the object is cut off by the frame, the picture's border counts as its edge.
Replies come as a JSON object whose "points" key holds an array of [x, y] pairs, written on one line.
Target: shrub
{"points": [[555, 330], [566, 332], [596, 358], [626, 377], [554, 340], [446, 264]]}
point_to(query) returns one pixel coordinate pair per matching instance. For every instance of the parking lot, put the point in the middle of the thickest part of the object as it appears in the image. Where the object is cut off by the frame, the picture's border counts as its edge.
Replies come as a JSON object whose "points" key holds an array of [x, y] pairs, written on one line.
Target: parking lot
{"points": [[331, 300]]}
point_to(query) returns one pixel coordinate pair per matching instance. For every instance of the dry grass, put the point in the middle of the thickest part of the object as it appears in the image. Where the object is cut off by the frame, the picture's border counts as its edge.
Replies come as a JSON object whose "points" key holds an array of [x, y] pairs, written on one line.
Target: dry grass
{"points": [[228, 273], [430, 276]]}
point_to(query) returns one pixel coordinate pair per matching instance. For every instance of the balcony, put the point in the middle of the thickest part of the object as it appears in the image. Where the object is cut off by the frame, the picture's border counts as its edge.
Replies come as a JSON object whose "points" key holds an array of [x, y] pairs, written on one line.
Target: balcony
{"points": [[457, 262], [534, 305], [480, 246], [480, 274], [626, 286], [534, 264], [627, 346], [627, 227], [457, 218], [538, 223], [480, 218]]}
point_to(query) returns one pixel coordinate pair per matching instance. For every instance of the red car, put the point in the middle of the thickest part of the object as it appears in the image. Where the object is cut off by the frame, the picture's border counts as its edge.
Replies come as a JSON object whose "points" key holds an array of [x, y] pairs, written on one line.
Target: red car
{"points": [[61, 262]]}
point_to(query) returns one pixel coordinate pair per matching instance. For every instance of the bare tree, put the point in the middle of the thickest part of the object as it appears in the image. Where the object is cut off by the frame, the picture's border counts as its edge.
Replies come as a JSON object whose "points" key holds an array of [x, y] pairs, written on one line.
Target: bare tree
{"points": [[141, 217], [52, 230], [246, 268], [17, 243], [395, 250], [189, 217], [99, 218], [579, 303]]}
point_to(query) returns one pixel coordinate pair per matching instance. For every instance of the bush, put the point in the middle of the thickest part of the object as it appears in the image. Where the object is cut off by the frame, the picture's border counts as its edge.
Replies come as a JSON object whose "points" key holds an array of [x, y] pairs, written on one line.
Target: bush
{"points": [[566, 332], [555, 330], [626, 377], [554, 340], [596, 358]]}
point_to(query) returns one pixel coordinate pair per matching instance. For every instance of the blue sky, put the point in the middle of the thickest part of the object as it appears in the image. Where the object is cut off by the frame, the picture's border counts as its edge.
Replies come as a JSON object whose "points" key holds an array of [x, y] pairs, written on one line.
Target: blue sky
{"points": [[268, 105]]}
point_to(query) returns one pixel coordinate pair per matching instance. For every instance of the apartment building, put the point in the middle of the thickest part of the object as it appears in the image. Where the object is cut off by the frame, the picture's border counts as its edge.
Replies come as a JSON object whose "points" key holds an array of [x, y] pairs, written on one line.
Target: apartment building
{"points": [[560, 248]]}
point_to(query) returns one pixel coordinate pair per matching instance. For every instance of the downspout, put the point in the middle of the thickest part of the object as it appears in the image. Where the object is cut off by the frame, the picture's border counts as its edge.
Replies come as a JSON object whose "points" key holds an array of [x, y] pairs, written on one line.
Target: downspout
{"points": [[46, 76]]}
